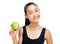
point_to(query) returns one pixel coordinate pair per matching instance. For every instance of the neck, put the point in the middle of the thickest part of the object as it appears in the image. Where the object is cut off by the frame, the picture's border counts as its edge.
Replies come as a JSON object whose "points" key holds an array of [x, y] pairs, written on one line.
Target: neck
{"points": [[33, 25]]}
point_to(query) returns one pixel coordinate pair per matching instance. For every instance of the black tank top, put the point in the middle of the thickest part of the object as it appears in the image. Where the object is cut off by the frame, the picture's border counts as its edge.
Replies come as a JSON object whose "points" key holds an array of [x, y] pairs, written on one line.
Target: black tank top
{"points": [[27, 40]]}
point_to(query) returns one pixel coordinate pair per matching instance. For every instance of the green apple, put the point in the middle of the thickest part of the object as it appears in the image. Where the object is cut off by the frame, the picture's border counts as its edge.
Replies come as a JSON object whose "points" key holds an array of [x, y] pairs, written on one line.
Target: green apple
{"points": [[15, 25]]}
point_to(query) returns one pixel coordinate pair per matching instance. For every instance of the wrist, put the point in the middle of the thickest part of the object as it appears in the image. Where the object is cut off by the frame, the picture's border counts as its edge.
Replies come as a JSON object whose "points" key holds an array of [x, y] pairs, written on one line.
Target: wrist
{"points": [[14, 37]]}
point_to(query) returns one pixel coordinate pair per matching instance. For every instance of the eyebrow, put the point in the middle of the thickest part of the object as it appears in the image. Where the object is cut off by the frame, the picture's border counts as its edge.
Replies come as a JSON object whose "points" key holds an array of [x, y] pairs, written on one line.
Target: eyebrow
{"points": [[34, 9]]}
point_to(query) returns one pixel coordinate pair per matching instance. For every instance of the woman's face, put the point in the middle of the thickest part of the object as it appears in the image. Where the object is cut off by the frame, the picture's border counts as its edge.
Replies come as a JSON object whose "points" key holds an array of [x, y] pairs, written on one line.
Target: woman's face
{"points": [[33, 13]]}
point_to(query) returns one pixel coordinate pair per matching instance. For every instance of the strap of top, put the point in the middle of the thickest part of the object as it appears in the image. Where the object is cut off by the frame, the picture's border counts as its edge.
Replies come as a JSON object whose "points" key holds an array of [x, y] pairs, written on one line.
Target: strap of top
{"points": [[43, 33]]}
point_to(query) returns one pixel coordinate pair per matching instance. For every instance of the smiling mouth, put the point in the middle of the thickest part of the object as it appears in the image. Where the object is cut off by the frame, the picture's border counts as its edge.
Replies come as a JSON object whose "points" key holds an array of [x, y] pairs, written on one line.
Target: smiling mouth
{"points": [[35, 18]]}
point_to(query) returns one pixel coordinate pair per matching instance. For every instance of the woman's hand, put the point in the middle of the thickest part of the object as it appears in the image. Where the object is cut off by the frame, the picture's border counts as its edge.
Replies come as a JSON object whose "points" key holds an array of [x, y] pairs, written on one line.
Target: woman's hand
{"points": [[13, 33]]}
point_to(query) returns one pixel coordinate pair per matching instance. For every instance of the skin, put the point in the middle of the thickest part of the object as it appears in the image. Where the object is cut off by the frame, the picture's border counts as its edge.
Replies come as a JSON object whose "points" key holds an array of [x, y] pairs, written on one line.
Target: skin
{"points": [[33, 29]]}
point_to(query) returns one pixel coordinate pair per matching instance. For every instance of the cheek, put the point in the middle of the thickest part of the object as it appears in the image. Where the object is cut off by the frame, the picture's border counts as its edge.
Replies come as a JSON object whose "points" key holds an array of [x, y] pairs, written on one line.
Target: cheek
{"points": [[30, 17], [38, 16]]}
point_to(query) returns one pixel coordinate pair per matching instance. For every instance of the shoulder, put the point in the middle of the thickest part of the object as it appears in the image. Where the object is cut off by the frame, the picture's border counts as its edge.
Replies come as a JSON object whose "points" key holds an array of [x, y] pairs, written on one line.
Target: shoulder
{"points": [[48, 37], [47, 33]]}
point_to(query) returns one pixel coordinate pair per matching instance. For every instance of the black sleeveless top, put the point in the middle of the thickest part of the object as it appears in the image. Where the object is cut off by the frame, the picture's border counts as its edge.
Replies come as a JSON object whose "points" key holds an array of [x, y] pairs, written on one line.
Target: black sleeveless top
{"points": [[27, 40]]}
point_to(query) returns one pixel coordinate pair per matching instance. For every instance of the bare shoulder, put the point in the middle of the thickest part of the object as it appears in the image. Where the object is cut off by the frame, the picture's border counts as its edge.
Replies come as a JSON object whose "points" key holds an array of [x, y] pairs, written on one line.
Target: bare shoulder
{"points": [[47, 33], [48, 37]]}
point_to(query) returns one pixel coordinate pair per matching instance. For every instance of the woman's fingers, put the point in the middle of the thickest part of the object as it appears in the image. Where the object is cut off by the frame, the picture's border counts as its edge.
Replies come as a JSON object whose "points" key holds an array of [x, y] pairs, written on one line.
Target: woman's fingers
{"points": [[12, 32]]}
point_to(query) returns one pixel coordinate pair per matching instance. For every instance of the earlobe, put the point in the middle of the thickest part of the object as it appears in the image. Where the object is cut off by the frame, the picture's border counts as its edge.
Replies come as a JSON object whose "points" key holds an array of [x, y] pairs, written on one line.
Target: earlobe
{"points": [[25, 16]]}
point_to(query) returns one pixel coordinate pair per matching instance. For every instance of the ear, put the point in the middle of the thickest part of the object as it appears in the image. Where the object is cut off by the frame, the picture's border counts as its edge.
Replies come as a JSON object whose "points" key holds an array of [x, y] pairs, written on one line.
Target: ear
{"points": [[26, 16]]}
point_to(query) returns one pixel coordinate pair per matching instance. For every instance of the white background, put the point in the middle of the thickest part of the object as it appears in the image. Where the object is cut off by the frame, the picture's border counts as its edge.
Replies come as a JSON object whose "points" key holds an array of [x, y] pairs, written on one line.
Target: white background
{"points": [[13, 10]]}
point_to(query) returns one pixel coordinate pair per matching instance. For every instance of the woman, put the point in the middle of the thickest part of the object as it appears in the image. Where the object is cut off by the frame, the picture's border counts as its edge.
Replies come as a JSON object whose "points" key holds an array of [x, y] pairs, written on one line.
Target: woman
{"points": [[32, 32]]}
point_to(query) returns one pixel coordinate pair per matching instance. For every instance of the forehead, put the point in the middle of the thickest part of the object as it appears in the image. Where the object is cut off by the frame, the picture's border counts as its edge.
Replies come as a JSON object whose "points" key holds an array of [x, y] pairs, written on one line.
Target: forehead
{"points": [[31, 7]]}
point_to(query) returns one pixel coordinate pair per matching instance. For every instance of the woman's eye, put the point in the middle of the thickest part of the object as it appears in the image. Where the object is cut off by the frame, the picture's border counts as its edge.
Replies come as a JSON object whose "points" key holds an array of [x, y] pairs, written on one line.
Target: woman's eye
{"points": [[30, 13], [36, 11]]}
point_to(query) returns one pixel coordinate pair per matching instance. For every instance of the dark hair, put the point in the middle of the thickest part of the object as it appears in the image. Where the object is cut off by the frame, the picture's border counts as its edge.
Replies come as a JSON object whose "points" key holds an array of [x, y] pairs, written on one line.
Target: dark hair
{"points": [[27, 22]]}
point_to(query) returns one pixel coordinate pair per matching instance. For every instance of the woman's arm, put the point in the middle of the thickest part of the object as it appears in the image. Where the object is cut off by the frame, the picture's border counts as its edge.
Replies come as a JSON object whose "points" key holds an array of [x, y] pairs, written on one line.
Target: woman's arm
{"points": [[48, 37], [14, 40], [13, 35], [20, 35]]}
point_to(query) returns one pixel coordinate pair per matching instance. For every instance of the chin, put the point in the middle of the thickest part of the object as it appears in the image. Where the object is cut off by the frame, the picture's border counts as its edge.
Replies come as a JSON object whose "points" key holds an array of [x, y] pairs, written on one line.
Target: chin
{"points": [[35, 20]]}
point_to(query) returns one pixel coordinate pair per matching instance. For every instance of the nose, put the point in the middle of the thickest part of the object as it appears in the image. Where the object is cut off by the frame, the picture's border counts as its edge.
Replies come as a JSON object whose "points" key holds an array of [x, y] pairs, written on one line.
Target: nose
{"points": [[35, 14]]}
